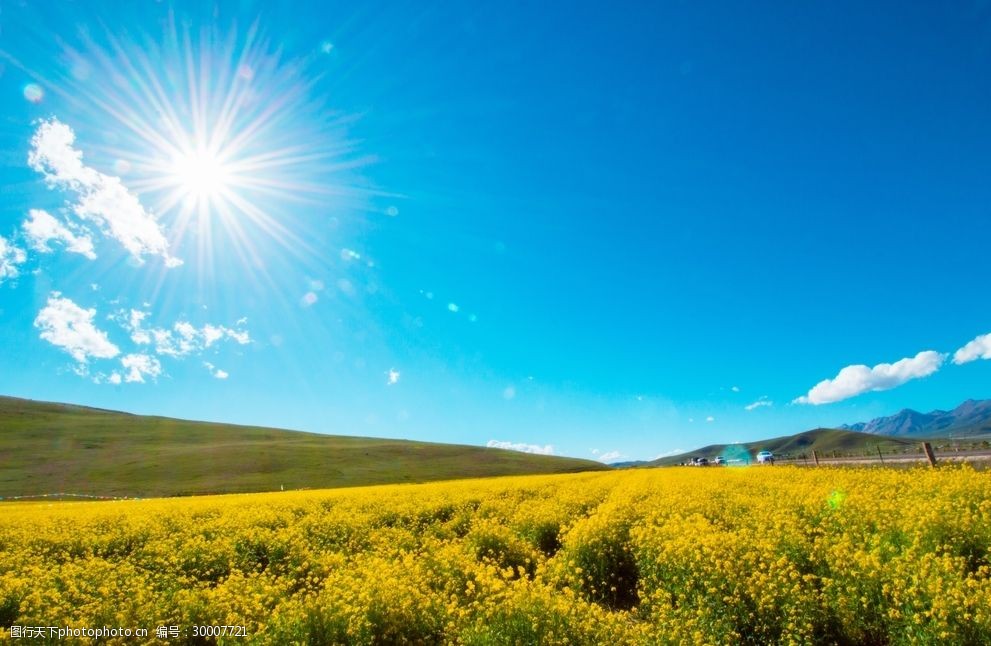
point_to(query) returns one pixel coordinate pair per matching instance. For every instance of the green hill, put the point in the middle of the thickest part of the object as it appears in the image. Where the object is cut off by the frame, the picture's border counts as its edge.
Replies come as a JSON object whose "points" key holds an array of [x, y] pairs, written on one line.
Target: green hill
{"points": [[48, 448], [825, 441]]}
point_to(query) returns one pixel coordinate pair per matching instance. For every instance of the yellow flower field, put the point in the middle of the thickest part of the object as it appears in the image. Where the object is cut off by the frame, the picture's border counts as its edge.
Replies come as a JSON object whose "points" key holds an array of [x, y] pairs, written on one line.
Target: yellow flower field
{"points": [[758, 555]]}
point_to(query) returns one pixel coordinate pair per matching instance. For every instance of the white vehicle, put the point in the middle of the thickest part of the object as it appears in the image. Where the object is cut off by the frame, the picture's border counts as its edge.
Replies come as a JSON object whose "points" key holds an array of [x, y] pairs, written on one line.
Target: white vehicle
{"points": [[765, 457]]}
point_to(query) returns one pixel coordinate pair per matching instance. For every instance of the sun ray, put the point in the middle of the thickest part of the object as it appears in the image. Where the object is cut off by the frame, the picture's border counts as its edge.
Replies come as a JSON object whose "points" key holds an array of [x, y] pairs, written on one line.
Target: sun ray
{"points": [[220, 131]]}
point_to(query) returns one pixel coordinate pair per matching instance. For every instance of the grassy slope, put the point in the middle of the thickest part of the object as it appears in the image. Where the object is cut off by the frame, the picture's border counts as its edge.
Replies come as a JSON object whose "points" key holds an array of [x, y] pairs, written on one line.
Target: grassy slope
{"points": [[823, 440], [54, 448]]}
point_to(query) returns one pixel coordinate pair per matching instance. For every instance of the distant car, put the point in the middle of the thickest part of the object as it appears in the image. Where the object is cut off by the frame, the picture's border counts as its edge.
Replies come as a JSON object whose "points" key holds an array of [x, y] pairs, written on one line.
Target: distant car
{"points": [[719, 460], [702, 462], [765, 457]]}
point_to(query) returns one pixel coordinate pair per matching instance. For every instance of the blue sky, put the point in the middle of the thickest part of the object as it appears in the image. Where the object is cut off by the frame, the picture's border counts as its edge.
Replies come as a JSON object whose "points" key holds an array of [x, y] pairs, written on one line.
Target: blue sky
{"points": [[605, 230]]}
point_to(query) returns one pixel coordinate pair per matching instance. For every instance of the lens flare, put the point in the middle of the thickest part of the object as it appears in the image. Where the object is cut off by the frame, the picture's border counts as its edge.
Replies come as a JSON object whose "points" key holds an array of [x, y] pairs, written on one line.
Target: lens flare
{"points": [[33, 93]]}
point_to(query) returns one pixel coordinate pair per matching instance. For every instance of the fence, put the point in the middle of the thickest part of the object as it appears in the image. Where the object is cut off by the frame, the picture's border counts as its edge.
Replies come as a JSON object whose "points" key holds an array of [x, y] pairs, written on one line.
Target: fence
{"points": [[923, 453]]}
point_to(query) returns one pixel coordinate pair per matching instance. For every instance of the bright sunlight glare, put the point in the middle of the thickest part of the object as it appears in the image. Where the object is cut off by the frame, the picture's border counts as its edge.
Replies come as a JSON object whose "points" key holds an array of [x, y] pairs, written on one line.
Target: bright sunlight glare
{"points": [[201, 175], [217, 133]]}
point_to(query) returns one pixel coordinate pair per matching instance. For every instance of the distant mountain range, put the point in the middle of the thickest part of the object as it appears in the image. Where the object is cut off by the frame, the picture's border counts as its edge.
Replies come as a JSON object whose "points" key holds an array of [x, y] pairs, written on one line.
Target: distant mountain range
{"points": [[973, 417], [970, 419]]}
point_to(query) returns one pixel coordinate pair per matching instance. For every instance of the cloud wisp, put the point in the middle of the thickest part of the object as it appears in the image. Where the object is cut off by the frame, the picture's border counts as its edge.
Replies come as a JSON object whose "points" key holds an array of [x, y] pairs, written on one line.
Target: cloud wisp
{"points": [[183, 338], [547, 449], [139, 366], [858, 379], [215, 372], [760, 403], [10, 257], [42, 228]]}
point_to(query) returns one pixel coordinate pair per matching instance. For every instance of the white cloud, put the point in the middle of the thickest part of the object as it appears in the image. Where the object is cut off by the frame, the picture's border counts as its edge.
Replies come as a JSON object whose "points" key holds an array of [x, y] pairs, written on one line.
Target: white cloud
{"points": [[520, 446], [610, 456], [183, 338], [216, 372], [241, 337], [858, 379], [393, 377], [309, 298], [133, 325], [138, 366], [186, 331], [10, 257], [102, 199], [41, 227], [762, 401], [100, 377], [667, 454], [710, 418], [735, 389], [212, 334], [979, 348], [509, 392], [70, 327]]}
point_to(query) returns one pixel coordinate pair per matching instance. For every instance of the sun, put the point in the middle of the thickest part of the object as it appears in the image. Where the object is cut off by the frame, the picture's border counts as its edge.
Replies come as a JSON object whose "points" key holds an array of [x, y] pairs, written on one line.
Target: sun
{"points": [[201, 175], [218, 134]]}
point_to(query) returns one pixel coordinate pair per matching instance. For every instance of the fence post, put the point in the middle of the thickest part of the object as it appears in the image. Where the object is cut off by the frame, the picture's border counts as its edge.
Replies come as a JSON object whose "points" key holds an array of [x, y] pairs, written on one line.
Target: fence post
{"points": [[928, 449], [881, 457], [815, 456]]}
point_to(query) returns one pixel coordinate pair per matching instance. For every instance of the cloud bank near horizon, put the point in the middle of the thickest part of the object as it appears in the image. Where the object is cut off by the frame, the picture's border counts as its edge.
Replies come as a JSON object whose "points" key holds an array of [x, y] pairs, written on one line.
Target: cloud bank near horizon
{"points": [[547, 449]]}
